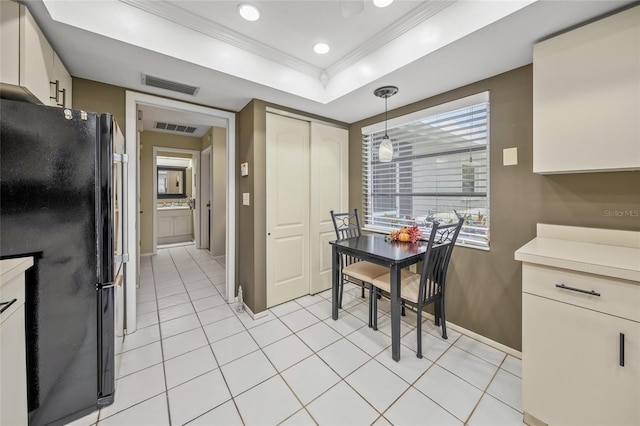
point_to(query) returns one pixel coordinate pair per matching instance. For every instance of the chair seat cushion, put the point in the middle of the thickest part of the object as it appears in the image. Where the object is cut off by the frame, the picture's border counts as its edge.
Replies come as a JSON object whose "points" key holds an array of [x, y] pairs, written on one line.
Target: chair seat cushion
{"points": [[364, 271], [410, 283]]}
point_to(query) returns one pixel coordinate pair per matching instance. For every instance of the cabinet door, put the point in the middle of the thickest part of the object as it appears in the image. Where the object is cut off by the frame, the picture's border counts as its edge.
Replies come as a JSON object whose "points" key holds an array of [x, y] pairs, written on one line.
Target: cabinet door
{"points": [[182, 224], [62, 77], [36, 58], [13, 379], [586, 86], [165, 226], [571, 365], [10, 42]]}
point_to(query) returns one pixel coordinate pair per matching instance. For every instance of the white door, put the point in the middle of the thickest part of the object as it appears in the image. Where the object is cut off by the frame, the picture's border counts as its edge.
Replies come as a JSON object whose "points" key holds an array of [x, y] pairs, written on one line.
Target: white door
{"points": [[329, 191], [287, 210]]}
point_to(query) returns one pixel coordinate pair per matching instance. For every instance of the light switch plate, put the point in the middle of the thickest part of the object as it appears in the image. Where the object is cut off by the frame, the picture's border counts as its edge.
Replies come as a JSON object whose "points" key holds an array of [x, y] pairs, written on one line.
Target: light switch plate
{"points": [[245, 198], [510, 157]]}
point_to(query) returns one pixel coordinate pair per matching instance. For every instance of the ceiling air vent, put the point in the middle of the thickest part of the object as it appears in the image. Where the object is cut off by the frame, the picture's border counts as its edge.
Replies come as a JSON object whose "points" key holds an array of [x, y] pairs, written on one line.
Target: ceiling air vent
{"points": [[174, 127], [161, 83]]}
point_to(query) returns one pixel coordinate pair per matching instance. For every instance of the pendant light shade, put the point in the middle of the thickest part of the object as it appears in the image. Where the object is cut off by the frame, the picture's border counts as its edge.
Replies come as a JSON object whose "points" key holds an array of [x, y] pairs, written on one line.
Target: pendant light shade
{"points": [[385, 150]]}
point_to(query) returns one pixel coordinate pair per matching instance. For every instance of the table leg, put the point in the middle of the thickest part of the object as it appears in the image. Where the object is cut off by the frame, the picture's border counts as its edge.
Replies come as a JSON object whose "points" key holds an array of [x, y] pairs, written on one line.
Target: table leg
{"points": [[395, 313], [335, 282]]}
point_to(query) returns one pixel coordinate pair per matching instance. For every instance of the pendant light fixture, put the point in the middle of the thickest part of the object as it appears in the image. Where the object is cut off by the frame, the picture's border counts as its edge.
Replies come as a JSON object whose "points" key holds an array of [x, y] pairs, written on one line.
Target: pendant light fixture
{"points": [[385, 151]]}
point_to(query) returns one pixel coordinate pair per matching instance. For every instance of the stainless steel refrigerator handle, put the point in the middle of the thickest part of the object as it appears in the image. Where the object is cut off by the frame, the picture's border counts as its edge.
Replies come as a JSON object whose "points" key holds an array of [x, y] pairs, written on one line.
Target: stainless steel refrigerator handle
{"points": [[5, 305], [125, 207], [102, 286]]}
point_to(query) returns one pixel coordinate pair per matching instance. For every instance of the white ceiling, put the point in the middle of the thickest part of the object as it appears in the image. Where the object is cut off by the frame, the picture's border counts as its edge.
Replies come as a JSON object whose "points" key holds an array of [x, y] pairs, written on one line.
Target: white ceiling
{"points": [[424, 48]]}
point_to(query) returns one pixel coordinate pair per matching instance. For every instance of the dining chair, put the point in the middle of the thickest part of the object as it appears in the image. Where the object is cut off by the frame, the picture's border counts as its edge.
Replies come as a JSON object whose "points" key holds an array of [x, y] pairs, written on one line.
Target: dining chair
{"points": [[428, 286], [353, 270]]}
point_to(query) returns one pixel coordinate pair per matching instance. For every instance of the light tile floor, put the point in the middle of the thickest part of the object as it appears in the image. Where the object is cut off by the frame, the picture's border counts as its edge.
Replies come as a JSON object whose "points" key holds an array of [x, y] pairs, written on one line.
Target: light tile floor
{"points": [[194, 360]]}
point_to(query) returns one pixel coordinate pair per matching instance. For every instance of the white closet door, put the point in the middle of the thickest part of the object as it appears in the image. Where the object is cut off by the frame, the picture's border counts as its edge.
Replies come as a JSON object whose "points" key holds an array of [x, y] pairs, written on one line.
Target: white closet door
{"points": [[329, 191], [287, 210]]}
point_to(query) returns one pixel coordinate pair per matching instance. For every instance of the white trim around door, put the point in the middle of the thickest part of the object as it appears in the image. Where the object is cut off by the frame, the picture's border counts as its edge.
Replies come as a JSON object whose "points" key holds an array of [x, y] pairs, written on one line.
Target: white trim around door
{"points": [[195, 157], [133, 99]]}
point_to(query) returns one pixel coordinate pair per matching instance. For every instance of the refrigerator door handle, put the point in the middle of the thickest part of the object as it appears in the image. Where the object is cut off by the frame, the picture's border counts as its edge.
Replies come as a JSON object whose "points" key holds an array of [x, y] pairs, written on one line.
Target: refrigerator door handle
{"points": [[102, 286], [125, 207]]}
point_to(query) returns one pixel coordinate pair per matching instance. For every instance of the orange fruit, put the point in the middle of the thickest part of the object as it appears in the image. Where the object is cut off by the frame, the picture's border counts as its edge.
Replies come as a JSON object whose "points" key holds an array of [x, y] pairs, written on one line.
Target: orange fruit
{"points": [[404, 237]]}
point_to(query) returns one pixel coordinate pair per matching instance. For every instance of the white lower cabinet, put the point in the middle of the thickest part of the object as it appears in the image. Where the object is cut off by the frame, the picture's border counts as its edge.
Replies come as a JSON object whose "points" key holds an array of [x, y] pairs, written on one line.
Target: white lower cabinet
{"points": [[580, 367], [13, 361], [174, 226], [581, 327]]}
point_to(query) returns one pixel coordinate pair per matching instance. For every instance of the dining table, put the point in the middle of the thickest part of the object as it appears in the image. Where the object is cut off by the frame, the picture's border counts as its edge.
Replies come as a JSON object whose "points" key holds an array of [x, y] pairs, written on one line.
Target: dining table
{"points": [[377, 248]]}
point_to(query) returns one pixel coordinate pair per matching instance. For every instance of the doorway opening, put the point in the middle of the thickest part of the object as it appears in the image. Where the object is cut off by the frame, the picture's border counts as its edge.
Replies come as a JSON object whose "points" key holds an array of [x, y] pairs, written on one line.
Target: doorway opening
{"points": [[175, 196], [225, 122]]}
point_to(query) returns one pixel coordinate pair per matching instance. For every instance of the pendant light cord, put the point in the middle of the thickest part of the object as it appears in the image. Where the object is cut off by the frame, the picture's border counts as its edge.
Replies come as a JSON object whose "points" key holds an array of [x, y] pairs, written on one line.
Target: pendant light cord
{"points": [[385, 116]]}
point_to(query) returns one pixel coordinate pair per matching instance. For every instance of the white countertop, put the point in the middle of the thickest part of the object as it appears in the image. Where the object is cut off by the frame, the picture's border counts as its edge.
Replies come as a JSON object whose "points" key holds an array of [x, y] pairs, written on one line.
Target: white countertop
{"points": [[601, 259], [173, 208]]}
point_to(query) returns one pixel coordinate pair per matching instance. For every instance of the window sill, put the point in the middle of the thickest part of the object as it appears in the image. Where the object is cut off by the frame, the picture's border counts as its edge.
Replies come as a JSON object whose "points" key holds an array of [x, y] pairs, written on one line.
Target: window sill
{"points": [[458, 243]]}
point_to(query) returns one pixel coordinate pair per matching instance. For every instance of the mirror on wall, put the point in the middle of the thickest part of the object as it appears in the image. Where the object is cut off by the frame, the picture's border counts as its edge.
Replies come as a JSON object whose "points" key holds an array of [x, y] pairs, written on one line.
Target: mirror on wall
{"points": [[172, 182]]}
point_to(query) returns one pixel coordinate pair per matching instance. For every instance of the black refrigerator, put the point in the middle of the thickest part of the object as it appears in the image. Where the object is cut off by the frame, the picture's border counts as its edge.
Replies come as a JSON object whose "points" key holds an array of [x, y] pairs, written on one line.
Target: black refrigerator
{"points": [[59, 204]]}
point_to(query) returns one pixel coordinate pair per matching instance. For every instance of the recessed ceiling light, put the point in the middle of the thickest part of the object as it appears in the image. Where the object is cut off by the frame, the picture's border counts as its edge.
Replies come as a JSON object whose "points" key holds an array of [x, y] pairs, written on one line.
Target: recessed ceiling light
{"points": [[249, 12], [321, 48], [382, 3]]}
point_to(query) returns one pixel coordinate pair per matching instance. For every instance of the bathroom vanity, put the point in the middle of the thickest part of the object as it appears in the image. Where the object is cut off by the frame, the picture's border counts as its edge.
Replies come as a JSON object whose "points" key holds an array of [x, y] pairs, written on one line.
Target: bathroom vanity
{"points": [[175, 224]]}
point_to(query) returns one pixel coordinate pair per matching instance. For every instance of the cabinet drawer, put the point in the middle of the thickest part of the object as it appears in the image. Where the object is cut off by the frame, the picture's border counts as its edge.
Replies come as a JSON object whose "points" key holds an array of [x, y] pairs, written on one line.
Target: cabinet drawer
{"points": [[616, 297]]}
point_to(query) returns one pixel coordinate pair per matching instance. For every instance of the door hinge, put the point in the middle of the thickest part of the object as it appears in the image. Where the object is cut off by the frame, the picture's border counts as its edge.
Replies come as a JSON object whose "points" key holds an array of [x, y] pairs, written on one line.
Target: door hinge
{"points": [[124, 258]]}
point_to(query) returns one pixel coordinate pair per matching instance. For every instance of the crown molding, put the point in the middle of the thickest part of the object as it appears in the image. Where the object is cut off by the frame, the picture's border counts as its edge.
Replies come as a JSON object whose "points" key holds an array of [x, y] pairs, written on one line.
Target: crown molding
{"points": [[180, 16], [396, 29]]}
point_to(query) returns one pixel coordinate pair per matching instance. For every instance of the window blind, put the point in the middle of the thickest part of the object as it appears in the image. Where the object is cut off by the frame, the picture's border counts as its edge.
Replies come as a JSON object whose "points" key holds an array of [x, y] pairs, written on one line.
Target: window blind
{"points": [[440, 166]]}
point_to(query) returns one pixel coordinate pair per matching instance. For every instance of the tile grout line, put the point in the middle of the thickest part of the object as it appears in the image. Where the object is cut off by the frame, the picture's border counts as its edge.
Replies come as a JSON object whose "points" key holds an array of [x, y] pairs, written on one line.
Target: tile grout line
{"points": [[247, 328], [215, 358]]}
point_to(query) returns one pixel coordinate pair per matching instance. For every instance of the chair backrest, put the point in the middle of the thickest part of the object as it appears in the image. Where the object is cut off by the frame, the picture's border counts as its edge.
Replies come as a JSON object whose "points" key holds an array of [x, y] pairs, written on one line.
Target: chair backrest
{"points": [[346, 224], [436, 261]]}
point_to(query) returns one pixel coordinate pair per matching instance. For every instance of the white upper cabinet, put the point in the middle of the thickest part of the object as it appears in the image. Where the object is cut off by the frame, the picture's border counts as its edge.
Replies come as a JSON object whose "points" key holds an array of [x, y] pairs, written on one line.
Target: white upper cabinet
{"points": [[60, 84], [29, 66], [586, 98]]}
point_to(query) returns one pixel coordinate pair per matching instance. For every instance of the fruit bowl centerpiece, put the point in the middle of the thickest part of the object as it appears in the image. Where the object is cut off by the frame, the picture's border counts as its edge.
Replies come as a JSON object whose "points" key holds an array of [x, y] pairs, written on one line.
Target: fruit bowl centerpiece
{"points": [[405, 235]]}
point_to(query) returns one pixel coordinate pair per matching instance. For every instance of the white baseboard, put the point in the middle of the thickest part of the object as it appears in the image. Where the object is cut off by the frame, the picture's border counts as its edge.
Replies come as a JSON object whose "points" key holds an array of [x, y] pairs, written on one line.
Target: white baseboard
{"points": [[234, 301], [478, 337], [146, 254]]}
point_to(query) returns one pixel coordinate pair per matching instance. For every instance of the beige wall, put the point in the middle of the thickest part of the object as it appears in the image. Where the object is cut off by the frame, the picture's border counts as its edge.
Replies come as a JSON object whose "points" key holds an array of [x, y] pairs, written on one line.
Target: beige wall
{"points": [[250, 150], [484, 287], [97, 97], [219, 201], [149, 140]]}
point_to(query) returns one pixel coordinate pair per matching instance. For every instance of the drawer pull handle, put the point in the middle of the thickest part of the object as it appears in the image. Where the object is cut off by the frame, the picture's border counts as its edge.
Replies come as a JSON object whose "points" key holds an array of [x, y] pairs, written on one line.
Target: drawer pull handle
{"points": [[621, 349], [5, 305], [579, 290]]}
